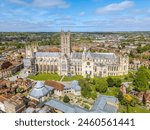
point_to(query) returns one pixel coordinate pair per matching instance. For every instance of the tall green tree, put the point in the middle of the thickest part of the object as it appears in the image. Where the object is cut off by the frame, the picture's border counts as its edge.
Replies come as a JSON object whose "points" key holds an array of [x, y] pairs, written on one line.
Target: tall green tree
{"points": [[85, 87], [110, 82], [118, 82], [141, 79], [101, 85]]}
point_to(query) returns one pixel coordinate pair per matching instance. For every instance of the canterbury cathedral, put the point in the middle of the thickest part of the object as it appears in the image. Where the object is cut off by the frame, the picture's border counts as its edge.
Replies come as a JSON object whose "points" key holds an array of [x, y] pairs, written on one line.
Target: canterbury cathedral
{"points": [[71, 63]]}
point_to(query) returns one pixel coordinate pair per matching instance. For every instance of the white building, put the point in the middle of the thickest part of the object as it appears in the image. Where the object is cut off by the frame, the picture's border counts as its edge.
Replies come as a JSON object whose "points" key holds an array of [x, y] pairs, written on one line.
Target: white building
{"points": [[61, 89], [67, 62]]}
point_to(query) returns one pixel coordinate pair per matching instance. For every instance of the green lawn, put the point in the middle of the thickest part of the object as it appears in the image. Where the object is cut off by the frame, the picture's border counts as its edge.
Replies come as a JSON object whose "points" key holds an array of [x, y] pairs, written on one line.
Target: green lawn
{"points": [[112, 91], [45, 76], [76, 77], [136, 109]]}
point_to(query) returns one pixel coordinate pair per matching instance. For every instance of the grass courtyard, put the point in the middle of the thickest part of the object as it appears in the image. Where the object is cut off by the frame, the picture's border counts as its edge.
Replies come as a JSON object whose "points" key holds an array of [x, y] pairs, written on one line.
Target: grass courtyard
{"points": [[49, 76], [56, 77], [45, 76]]}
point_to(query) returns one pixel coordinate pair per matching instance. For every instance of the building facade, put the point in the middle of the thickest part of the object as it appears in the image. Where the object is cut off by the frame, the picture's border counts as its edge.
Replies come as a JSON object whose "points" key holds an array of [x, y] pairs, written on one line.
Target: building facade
{"points": [[67, 62]]}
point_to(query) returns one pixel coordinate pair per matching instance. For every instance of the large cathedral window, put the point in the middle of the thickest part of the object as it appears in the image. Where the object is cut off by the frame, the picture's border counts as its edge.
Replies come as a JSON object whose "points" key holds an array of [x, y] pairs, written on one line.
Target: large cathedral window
{"points": [[88, 63]]}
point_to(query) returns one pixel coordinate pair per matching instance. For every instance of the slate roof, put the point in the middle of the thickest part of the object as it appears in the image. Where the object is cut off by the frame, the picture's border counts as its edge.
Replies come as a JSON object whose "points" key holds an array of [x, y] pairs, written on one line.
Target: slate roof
{"points": [[105, 104], [104, 55], [55, 85], [78, 55], [39, 90], [75, 85], [66, 108], [47, 54]]}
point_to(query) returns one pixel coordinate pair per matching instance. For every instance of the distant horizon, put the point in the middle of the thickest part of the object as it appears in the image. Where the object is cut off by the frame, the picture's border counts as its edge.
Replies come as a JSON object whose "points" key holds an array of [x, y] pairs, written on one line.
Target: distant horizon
{"points": [[76, 15], [74, 31]]}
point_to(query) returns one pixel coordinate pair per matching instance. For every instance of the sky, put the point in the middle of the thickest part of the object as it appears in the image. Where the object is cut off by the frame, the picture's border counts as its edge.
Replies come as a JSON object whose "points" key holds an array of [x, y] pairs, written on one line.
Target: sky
{"points": [[74, 15]]}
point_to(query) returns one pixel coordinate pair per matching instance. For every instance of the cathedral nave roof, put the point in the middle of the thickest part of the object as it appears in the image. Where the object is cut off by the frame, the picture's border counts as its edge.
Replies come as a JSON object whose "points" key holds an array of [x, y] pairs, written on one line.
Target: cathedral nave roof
{"points": [[47, 54], [78, 55]]}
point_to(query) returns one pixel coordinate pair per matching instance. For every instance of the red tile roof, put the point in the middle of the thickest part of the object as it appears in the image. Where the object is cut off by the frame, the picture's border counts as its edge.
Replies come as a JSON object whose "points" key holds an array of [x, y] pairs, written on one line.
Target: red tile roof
{"points": [[55, 85]]}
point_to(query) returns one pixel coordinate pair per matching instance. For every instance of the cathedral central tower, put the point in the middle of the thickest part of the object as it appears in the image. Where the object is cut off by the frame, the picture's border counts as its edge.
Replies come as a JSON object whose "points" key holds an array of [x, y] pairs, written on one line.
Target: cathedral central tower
{"points": [[65, 43]]}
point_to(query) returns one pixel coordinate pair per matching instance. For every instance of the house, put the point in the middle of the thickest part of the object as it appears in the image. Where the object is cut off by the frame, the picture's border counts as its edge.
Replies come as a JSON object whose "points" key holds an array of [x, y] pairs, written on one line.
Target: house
{"points": [[2, 99], [15, 104], [58, 87], [7, 68], [62, 88], [44, 109], [40, 92], [33, 103], [23, 83], [140, 96], [73, 88], [123, 87], [135, 64]]}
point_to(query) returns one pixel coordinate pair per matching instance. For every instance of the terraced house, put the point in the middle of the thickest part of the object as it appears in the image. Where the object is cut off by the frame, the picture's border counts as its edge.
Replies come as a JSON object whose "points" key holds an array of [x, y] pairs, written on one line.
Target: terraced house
{"points": [[67, 62]]}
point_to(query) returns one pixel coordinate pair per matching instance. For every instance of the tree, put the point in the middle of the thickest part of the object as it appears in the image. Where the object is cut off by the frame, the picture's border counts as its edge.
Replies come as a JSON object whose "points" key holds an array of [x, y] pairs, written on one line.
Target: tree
{"points": [[144, 100], [133, 102], [129, 89], [114, 82], [120, 96], [141, 79], [101, 85], [87, 106], [118, 82], [110, 82], [126, 101], [19, 89], [85, 87], [93, 94], [66, 99]]}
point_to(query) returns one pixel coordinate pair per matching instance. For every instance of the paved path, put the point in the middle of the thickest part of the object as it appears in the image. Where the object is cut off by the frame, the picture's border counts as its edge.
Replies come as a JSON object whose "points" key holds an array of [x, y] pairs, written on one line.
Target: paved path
{"points": [[62, 78]]}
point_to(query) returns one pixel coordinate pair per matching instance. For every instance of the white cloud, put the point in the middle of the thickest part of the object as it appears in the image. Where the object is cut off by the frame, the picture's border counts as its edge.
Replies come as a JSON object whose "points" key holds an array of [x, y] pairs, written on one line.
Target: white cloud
{"points": [[82, 13], [20, 2], [122, 23], [42, 3], [115, 7]]}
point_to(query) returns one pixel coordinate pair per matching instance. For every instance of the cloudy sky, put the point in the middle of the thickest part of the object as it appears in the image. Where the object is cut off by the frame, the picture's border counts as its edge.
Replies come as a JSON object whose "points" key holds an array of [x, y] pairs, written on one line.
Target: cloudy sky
{"points": [[76, 15]]}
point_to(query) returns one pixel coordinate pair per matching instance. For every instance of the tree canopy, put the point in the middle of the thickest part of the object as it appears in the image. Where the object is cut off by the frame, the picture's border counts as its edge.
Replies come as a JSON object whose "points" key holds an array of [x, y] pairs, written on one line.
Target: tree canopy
{"points": [[66, 99], [141, 79], [113, 82]]}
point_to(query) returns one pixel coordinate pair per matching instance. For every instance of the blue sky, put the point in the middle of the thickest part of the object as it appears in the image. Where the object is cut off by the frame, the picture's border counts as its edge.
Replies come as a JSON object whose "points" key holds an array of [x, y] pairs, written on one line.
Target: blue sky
{"points": [[75, 15]]}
